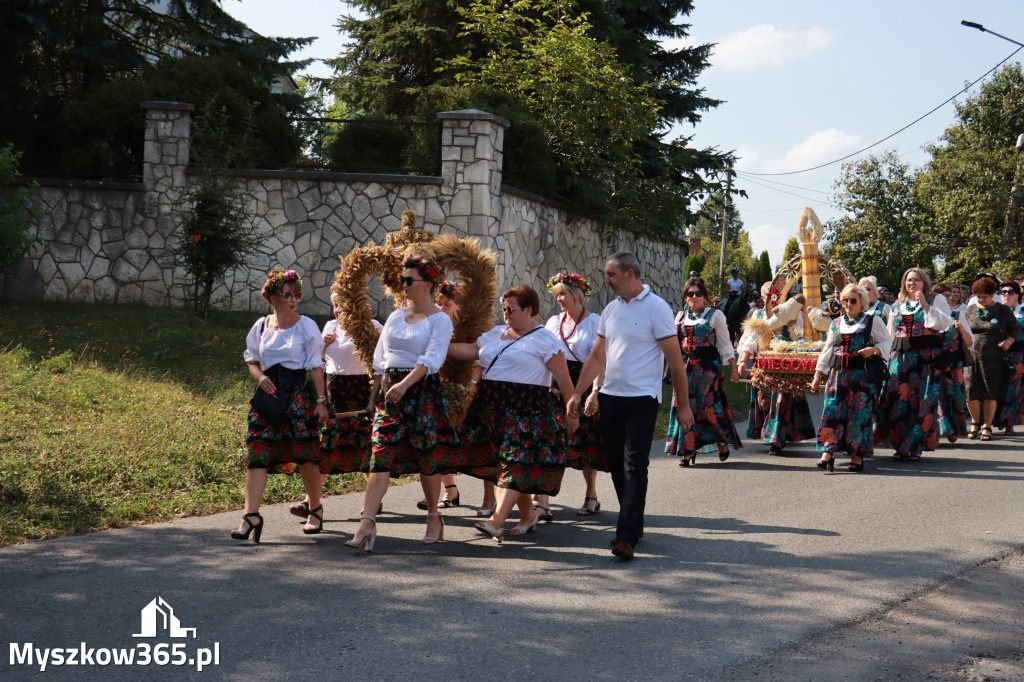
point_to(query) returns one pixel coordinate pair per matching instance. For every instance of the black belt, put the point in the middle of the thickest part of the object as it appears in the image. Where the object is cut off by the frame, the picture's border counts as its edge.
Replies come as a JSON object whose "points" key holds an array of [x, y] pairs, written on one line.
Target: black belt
{"points": [[284, 377], [905, 343], [852, 361], [702, 353]]}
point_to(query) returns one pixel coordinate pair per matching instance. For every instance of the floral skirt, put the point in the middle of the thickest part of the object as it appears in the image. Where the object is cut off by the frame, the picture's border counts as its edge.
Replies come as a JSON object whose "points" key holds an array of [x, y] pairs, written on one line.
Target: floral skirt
{"points": [[584, 447], [712, 418], [847, 422], [414, 435], [1011, 410], [909, 420], [518, 442], [779, 418], [952, 402], [345, 443], [283, 448]]}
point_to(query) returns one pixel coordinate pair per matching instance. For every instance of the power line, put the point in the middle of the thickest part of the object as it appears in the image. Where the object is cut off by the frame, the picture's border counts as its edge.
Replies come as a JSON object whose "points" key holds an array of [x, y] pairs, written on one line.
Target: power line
{"points": [[887, 137], [805, 189], [784, 191]]}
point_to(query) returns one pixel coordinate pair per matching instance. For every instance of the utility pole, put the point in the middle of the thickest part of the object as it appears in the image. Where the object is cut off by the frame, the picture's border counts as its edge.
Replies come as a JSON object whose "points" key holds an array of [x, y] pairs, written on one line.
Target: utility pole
{"points": [[725, 228]]}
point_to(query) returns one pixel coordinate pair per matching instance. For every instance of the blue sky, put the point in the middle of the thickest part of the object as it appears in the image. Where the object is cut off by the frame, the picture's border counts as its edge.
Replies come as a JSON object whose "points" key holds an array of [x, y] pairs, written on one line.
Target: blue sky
{"points": [[804, 83]]}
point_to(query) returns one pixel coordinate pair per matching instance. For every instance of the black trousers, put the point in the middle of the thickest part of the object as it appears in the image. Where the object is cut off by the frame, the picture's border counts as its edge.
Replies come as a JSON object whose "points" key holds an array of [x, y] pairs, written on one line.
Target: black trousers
{"points": [[627, 426]]}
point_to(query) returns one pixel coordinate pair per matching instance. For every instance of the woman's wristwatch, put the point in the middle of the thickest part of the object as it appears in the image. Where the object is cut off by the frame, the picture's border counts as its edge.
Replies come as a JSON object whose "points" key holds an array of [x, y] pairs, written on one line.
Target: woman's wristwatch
{"points": [[321, 399]]}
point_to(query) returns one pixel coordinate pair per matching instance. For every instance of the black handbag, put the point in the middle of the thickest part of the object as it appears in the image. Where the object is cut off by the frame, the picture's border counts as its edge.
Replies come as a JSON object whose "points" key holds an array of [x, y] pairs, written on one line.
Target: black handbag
{"points": [[272, 407], [874, 366]]}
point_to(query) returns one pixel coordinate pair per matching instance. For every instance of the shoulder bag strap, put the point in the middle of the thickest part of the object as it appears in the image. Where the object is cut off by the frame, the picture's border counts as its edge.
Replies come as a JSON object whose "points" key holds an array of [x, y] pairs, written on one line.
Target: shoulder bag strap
{"points": [[505, 349]]}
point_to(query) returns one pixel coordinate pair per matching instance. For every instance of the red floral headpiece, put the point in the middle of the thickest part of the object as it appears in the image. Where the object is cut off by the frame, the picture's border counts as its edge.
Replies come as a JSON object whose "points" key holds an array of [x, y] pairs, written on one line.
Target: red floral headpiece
{"points": [[573, 279], [427, 268], [278, 279]]}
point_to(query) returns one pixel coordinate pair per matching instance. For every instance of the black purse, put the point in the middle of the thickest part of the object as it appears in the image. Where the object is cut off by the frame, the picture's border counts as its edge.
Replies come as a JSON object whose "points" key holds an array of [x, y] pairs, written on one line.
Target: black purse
{"points": [[874, 366], [272, 408]]}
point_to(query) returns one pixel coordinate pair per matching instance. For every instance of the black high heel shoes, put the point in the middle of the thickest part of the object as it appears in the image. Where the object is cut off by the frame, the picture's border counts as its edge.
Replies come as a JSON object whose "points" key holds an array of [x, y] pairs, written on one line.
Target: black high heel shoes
{"points": [[239, 535]]}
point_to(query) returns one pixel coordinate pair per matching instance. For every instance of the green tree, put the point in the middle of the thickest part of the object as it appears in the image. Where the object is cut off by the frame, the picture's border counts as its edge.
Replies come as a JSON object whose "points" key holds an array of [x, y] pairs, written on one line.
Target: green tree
{"points": [[792, 249], [763, 269], [694, 263], [61, 51], [709, 223], [967, 184], [881, 232], [15, 220], [392, 70], [216, 230]]}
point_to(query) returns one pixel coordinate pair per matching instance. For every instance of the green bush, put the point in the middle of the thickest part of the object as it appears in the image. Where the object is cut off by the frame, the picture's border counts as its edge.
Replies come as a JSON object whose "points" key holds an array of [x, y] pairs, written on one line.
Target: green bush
{"points": [[15, 221]]}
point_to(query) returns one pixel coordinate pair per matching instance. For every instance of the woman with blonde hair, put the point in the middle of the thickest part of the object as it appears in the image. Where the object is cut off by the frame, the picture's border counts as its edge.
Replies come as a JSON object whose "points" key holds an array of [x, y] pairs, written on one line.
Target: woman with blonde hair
{"points": [[576, 329], [909, 416], [848, 415], [283, 353]]}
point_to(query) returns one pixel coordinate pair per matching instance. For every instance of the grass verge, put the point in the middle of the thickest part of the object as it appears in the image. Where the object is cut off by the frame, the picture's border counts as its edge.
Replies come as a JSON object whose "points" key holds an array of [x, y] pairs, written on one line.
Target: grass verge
{"points": [[114, 416]]}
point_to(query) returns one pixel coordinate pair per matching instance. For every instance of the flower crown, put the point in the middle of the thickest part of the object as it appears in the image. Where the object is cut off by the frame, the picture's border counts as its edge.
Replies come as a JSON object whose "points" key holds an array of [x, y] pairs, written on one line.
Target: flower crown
{"points": [[449, 289], [573, 279], [278, 279], [427, 268]]}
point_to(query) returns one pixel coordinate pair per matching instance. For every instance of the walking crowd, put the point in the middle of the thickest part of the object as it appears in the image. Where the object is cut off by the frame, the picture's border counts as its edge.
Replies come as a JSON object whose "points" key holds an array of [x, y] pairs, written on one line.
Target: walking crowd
{"points": [[583, 391]]}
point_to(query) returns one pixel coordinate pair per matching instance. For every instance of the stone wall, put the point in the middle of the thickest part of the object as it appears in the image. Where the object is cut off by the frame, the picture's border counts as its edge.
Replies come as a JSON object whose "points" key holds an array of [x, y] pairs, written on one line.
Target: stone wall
{"points": [[109, 243]]}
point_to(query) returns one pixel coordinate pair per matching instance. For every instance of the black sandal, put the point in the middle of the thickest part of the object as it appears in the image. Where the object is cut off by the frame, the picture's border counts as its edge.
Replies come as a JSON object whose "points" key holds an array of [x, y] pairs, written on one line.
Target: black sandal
{"points": [[723, 453], [688, 459], [775, 450], [973, 433], [546, 517], [447, 501], [986, 433], [318, 515], [253, 528], [586, 511]]}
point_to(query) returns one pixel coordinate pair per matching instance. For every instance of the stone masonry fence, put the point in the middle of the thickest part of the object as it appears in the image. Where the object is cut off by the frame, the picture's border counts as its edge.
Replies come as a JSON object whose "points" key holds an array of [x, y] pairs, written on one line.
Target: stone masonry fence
{"points": [[104, 242]]}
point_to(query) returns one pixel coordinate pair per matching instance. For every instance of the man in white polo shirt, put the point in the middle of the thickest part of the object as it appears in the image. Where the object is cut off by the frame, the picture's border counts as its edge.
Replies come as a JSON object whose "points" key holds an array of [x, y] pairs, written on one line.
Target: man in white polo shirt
{"points": [[635, 335]]}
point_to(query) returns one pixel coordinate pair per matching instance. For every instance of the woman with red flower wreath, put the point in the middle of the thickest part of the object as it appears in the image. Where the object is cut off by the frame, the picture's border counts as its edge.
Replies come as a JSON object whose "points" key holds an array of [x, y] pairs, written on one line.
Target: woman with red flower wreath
{"points": [[412, 433], [576, 328], [517, 427], [283, 353]]}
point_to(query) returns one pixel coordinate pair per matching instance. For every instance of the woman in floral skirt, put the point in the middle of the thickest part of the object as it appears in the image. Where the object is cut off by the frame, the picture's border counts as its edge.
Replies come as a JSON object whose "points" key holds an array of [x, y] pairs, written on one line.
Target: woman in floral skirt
{"points": [[950, 364], [775, 418], [517, 421], [848, 417], [576, 327], [706, 345], [412, 433], [910, 422], [1011, 412], [283, 353]]}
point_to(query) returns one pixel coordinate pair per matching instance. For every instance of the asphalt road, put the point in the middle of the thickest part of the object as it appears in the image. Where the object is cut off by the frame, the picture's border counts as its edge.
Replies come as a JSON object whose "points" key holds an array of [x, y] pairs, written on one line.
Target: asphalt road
{"points": [[756, 568]]}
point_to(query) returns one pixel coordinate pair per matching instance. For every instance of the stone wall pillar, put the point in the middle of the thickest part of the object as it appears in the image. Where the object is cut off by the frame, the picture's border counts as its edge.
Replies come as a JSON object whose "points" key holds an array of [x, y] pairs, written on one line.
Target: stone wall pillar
{"points": [[143, 271], [472, 149]]}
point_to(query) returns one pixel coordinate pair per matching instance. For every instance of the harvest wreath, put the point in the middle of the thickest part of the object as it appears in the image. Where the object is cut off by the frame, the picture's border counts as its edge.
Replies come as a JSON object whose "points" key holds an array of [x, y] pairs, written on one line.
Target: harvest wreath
{"points": [[475, 296]]}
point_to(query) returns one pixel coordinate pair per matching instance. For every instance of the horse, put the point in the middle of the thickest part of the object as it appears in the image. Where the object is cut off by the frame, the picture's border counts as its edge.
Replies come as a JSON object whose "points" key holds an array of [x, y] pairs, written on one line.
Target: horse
{"points": [[735, 309]]}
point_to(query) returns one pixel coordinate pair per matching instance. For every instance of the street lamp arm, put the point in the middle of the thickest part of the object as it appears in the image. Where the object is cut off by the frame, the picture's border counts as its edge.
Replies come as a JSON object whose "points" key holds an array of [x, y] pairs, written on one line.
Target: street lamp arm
{"points": [[972, 24]]}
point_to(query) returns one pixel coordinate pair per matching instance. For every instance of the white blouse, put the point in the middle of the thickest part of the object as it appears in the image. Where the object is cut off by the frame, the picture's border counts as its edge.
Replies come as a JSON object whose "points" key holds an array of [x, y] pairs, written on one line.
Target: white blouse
{"points": [[722, 337], [341, 355], [748, 342], [404, 346], [524, 361], [298, 347], [937, 318], [879, 334], [583, 337]]}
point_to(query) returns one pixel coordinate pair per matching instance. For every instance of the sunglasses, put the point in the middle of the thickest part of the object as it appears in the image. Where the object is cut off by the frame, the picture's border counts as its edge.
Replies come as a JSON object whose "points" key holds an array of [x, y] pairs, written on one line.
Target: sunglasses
{"points": [[1007, 292], [508, 311], [851, 300], [407, 281], [289, 296], [693, 294]]}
